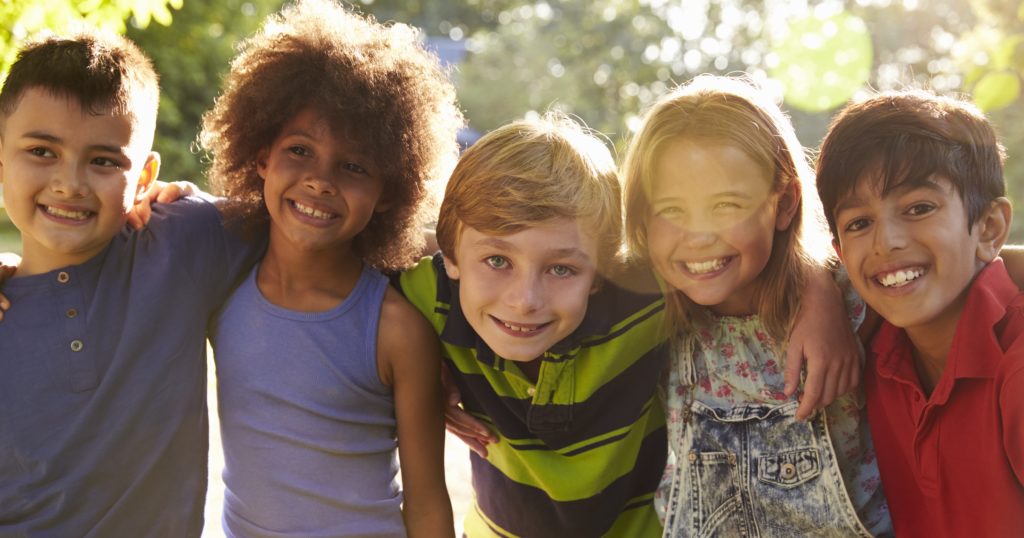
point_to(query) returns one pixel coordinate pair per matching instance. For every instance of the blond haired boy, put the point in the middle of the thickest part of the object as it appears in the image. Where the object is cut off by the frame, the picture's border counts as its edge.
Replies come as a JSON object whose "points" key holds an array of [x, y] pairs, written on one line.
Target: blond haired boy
{"points": [[530, 221]]}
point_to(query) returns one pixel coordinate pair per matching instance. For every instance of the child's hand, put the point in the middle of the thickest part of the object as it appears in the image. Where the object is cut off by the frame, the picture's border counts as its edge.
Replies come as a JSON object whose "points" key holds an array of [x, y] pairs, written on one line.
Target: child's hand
{"points": [[9, 262], [462, 424], [159, 193], [822, 334]]}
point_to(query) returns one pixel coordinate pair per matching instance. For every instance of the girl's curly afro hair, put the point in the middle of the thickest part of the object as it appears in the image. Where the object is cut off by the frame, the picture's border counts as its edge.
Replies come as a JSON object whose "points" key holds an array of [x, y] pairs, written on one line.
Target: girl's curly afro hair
{"points": [[373, 83]]}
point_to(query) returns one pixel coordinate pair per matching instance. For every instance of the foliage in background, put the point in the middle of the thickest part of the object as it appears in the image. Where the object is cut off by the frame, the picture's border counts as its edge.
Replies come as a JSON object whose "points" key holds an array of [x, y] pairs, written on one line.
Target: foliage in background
{"points": [[192, 55], [607, 60], [21, 20]]}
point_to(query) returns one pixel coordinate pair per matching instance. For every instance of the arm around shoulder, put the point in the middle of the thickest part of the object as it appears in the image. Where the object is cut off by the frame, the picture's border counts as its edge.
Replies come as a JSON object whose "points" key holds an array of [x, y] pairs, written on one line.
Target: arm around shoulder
{"points": [[409, 360]]}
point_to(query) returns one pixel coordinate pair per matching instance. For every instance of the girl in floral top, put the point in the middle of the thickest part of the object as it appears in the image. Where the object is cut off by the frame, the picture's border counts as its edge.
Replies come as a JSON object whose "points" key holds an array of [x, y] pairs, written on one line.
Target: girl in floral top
{"points": [[715, 183]]}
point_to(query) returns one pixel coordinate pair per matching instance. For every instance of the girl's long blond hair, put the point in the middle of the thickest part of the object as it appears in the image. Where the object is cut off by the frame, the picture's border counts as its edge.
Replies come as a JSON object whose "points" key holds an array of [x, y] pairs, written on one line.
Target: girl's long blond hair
{"points": [[732, 111]]}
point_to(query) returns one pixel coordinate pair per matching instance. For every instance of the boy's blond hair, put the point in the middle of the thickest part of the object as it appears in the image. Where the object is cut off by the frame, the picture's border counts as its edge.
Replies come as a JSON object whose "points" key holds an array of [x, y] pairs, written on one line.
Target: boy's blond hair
{"points": [[735, 112], [529, 172]]}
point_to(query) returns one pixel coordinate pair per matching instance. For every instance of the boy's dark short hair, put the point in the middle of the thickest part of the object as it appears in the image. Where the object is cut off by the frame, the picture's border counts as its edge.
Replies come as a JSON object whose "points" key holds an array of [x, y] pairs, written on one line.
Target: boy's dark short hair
{"points": [[373, 83], [906, 138], [104, 72]]}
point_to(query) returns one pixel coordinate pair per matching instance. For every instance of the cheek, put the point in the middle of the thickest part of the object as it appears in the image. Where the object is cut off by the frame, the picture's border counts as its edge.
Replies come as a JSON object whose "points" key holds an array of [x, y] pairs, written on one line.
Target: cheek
{"points": [[661, 235]]}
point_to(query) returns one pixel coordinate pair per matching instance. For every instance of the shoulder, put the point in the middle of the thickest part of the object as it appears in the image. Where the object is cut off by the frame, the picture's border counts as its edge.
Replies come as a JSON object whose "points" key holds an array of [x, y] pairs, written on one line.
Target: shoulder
{"points": [[402, 327], [191, 207], [425, 283]]}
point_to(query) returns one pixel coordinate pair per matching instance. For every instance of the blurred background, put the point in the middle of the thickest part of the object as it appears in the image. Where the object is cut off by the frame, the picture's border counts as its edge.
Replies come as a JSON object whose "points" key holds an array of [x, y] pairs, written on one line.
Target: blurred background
{"points": [[601, 60], [604, 61]]}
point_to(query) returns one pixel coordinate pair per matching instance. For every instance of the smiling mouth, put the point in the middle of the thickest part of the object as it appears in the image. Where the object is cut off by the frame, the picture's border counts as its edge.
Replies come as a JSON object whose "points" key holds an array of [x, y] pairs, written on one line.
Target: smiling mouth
{"points": [[705, 267], [898, 279], [69, 214], [312, 211], [523, 329]]}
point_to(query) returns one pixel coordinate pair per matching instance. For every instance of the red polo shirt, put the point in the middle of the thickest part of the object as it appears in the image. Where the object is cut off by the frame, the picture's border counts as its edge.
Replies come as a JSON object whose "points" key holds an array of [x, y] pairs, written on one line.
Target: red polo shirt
{"points": [[952, 464]]}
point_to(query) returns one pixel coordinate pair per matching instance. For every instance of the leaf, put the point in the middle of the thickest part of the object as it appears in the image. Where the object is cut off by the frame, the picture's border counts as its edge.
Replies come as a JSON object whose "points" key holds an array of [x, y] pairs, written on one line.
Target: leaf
{"points": [[1007, 51], [823, 61], [996, 90]]}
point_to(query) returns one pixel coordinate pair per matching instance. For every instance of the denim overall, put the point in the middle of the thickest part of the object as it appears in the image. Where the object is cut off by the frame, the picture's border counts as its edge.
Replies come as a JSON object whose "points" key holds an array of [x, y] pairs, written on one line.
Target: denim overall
{"points": [[754, 470]]}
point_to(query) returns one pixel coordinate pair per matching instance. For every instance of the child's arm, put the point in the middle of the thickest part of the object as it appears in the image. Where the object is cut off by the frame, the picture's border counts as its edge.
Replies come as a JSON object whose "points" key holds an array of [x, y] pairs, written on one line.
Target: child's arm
{"points": [[460, 423], [822, 334], [159, 193], [9, 263], [409, 360]]}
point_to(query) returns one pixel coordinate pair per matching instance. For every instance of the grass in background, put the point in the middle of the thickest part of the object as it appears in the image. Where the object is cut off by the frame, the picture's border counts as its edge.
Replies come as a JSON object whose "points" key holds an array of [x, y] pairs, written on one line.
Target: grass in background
{"points": [[10, 241]]}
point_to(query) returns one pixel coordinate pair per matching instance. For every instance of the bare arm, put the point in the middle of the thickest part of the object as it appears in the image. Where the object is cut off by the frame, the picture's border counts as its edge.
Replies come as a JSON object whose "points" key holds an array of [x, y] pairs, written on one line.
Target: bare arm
{"points": [[822, 335], [409, 360]]}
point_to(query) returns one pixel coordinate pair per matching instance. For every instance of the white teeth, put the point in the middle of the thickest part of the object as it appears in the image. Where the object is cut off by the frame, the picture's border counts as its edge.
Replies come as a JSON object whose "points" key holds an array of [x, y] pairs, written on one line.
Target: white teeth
{"points": [[899, 278], [520, 328], [65, 214], [698, 268], [315, 213]]}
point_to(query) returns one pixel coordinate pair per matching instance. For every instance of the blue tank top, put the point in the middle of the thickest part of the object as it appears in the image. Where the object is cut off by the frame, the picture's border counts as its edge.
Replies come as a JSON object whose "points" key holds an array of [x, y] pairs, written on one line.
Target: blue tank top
{"points": [[308, 428]]}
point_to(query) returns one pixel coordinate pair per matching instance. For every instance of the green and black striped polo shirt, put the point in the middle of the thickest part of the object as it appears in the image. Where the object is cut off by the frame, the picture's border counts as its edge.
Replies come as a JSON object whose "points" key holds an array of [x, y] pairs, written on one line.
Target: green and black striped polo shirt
{"points": [[580, 452]]}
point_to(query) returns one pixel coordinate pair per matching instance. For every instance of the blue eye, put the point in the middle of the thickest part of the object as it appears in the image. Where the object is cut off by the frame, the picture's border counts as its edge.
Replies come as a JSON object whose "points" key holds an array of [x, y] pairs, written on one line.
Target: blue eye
{"points": [[562, 271], [496, 262]]}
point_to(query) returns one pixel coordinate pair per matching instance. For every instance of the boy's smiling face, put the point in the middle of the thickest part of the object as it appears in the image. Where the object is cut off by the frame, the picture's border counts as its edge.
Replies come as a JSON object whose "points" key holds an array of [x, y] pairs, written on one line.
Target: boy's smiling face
{"points": [[910, 253], [69, 177], [524, 292]]}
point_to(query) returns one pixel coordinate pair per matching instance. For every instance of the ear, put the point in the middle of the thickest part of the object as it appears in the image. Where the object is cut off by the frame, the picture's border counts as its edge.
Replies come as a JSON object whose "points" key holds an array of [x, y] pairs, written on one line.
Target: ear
{"points": [[451, 267], [838, 248], [148, 175], [382, 205], [261, 163], [993, 228], [789, 202]]}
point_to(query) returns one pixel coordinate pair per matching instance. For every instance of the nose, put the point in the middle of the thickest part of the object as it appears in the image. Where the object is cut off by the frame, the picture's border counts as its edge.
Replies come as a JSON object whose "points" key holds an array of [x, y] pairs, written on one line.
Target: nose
{"points": [[696, 232], [889, 236], [69, 181], [319, 184], [525, 294]]}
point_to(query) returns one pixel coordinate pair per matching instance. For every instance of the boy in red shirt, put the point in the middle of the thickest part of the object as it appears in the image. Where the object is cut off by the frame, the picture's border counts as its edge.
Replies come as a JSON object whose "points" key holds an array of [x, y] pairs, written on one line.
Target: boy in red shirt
{"points": [[912, 186]]}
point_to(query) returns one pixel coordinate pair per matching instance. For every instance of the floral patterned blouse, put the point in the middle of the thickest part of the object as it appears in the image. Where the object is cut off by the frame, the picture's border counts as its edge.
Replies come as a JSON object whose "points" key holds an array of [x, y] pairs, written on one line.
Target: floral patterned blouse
{"points": [[736, 363]]}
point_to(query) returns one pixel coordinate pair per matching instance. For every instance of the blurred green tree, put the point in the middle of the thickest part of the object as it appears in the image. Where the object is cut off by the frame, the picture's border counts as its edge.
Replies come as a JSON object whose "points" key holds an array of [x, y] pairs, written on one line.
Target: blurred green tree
{"points": [[20, 20], [192, 56]]}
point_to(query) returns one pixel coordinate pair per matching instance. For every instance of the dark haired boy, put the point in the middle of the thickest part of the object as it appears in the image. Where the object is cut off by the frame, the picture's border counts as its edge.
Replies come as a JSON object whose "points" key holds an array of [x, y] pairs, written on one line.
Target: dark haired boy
{"points": [[912, 186], [103, 425]]}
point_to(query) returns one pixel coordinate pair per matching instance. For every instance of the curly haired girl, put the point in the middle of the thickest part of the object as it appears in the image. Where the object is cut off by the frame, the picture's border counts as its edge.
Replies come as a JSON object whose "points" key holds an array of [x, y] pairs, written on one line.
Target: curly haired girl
{"points": [[327, 130]]}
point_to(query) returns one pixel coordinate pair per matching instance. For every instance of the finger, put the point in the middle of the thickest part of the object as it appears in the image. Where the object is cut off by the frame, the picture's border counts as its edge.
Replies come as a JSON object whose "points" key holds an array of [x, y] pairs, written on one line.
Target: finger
{"points": [[143, 211], [791, 375], [174, 191], [473, 443], [134, 220], [4, 302], [809, 400], [467, 424]]}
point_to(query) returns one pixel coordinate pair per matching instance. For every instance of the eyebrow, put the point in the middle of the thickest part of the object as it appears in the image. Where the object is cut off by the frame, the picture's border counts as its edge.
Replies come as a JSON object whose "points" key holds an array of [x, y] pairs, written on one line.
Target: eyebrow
{"points": [[725, 194], [501, 244], [40, 135], [903, 188]]}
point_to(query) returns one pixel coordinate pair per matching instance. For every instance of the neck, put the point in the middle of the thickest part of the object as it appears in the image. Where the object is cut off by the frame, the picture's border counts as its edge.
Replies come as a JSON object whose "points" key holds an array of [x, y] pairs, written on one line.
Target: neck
{"points": [[35, 264], [309, 281]]}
